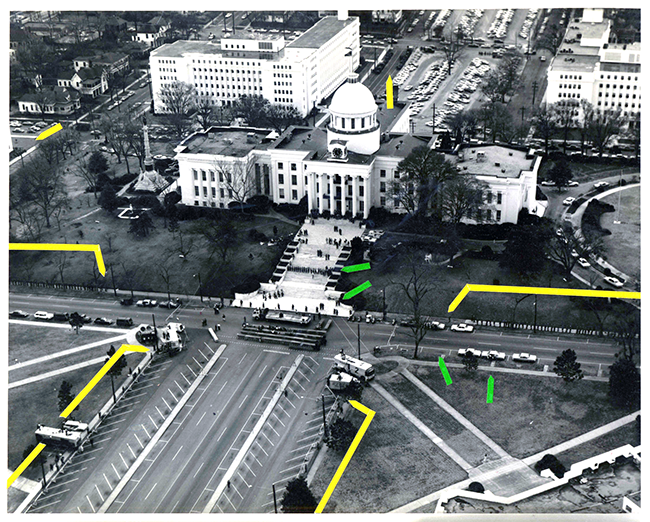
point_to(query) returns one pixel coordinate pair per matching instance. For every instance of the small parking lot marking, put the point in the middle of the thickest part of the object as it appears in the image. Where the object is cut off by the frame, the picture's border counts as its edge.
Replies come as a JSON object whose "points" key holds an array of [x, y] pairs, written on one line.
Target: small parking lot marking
{"points": [[91, 504], [107, 482], [99, 493], [190, 369]]}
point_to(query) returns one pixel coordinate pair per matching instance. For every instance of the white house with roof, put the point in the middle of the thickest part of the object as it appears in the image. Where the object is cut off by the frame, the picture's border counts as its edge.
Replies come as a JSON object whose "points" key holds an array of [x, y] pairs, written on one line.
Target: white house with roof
{"points": [[346, 168]]}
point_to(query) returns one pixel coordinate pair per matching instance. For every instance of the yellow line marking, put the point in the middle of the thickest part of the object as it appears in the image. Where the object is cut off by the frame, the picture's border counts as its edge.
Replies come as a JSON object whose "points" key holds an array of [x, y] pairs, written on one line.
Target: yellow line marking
{"points": [[100, 374], [39, 447], [389, 93], [48, 132], [540, 291], [64, 247], [353, 447]]}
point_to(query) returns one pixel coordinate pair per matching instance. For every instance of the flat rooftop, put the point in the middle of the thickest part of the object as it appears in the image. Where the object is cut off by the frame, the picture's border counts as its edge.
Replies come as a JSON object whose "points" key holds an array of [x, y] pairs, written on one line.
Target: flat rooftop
{"points": [[324, 30], [225, 141], [492, 154], [574, 63], [588, 29], [180, 48], [401, 145]]}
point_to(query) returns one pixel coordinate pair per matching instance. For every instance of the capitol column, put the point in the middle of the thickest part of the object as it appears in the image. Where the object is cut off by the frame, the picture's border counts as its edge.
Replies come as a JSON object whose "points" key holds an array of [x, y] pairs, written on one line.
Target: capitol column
{"points": [[310, 191], [355, 196], [332, 205], [321, 192], [366, 197], [343, 195]]}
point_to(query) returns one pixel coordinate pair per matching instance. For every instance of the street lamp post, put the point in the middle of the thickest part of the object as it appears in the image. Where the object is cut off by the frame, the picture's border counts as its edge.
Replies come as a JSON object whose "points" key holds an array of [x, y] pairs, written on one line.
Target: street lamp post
{"points": [[200, 289], [324, 421]]}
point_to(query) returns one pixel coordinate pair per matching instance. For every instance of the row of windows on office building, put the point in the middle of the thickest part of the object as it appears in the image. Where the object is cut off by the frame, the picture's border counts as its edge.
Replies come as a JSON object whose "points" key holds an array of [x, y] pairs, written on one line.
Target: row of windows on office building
{"points": [[209, 62]]}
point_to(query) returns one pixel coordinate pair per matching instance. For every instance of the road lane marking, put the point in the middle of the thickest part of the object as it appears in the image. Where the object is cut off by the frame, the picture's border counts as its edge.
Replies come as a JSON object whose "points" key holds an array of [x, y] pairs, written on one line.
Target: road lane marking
{"points": [[296, 458], [490, 344], [265, 367], [242, 359], [274, 430], [233, 505], [308, 379], [208, 346], [289, 469], [138, 439], [111, 423], [183, 376], [278, 418], [314, 427], [247, 485], [267, 439], [91, 504], [203, 355], [166, 403], [278, 351], [161, 415], [600, 353], [133, 397], [197, 362], [115, 470], [80, 462], [197, 471], [64, 483], [107, 482], [190, 369], [171, 393], [145, 430], [128, 446], [301, 386], [201, 417], [99, 493], [249, 469], [285, 411], [152, 421], [176, 455], [307, 438], [179, 386], [222, 387], [242, 402], [150, 490], [263, 451]]}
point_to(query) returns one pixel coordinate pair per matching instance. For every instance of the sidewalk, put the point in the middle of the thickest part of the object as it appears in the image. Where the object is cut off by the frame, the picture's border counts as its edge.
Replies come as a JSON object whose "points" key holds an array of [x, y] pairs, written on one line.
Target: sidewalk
{"points": [[420, 426]]}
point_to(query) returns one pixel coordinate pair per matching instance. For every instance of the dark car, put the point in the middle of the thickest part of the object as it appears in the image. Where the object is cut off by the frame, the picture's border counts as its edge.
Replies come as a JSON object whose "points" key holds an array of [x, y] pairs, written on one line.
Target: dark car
{"points": [[126, 301], [61, 316], [103, 320], [18, 313]]}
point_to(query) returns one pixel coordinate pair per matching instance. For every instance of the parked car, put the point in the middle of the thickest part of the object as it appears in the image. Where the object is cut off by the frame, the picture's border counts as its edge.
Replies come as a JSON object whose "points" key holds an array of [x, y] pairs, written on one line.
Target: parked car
{"points": [[601, 184], [573, 184], [407, 322], [126, 301], [524, 357], [568, 201], [103, 320], [18, 313], [466, 351], [146, 302], [436, 325], [462, 327], [124, 321], [493, 355], [61, 316], [45, 316], [547, 183], [170, 304], [584, 263], [613, 281]]}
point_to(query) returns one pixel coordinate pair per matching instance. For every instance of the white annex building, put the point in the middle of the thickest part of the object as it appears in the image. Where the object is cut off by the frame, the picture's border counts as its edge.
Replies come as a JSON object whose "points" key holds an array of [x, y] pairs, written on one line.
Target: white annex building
{"points": [[300, 73], [345, 168], [588, 66]]}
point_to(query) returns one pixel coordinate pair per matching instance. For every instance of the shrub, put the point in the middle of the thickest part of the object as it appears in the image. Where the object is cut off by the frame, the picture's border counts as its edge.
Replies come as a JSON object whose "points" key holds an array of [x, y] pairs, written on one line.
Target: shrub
{"points": [[256, 235], [261, 204], [476, 487], [551, 462]]}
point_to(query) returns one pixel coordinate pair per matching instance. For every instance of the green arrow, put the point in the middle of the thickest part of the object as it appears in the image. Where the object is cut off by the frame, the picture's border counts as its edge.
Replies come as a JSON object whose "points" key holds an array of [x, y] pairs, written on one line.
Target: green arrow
{"points": [[490, 392]]}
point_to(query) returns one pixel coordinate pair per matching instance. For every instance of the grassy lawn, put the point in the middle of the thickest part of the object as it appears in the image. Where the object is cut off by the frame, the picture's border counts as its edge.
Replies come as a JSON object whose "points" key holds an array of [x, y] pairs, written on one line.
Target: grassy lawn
{"points": [[31, 342], [440, 422], [614, 439], [123, 251], [445, 284], [623, 245], [529, 414], [38, 403], [393, 465]]}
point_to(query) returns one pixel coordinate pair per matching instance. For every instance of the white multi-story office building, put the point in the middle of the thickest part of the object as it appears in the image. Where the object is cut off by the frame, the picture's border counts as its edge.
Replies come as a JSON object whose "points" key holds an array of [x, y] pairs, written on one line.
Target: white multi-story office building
{"points": [[346, 168], [300, 73], [587, 66]]}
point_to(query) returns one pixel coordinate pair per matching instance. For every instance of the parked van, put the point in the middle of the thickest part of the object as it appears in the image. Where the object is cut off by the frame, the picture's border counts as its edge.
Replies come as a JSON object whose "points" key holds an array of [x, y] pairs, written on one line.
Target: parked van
{"points": [[360, 369], [124, 321]]}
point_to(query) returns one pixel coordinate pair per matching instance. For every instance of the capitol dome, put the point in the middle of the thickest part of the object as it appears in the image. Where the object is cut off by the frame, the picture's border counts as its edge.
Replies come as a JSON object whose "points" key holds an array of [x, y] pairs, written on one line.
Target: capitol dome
{"points": [[353, 117], [352, 99]]}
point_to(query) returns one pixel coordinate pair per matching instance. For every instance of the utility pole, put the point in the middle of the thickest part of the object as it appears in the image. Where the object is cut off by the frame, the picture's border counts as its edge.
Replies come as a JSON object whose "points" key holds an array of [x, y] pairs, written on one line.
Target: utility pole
{"points": [[383, 304], [535, 86], [324, 421], [155, 331], [359, 340], [433, 127], [617, 221], [198, 275], [535, 319], [523, 110], [275, 501], [113, 279]]}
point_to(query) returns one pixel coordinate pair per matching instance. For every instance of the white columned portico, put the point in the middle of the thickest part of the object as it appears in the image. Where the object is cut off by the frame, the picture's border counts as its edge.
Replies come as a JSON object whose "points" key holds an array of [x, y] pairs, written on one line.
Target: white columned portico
{"points": [[355, 195], [366, 197], [343, 195], [321, 192], [332, 206]]}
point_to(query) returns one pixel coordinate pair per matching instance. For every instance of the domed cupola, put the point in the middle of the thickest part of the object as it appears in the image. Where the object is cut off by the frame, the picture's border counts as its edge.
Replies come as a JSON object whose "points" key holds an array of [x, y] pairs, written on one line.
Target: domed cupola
{"points": [[353, 117]]}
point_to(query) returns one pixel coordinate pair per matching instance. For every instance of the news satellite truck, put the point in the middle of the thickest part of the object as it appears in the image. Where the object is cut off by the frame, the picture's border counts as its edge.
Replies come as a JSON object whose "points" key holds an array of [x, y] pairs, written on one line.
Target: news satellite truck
{"points": [[360, 369]]}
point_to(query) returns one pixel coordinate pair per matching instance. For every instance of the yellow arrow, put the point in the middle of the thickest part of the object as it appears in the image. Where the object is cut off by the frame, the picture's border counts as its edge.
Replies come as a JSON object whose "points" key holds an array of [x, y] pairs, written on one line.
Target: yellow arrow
{"points": [[57, 246], [48, 132], [389, 93], [348, 456], [39, 447], [540, 291], [100, 374]]}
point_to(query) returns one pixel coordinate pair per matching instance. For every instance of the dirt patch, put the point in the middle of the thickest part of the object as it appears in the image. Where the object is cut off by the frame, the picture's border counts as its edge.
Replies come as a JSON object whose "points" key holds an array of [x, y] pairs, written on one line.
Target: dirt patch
{"points": [[385, 367]]}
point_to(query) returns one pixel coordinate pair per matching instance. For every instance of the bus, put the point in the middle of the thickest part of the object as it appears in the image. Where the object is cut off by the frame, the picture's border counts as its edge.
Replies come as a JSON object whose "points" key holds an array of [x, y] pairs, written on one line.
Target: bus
{"points": [[360, 369], [65, 438]]}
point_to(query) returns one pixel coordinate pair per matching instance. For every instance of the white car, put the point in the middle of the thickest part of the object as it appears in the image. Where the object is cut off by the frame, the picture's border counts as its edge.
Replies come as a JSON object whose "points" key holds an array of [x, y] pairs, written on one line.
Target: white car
{"points": [[573, 183], [436, 325], [568, 201], [548, 183], [601, 184], [462, 327], [524, 357], [466, 351], [493, 355], [45, 316], [613, 281], [574, 253], [583, 263]]}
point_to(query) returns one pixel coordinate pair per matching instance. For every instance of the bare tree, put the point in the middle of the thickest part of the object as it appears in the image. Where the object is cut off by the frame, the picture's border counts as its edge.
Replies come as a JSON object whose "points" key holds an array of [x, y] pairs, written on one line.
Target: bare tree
{"points": [[109, 237], [405, 193], [415, 289], [586, 114], [452, 47], [551, 39], [27, 215], [220, 234], [280, 117], [565, 118], [604, 125], [463, 196], [568, 248], [45, 184], [185, 245], [178, 99], [205, 111], [165, 272], [628, 332], [62, 260], [238, 178], [130, 276], [545, 125]]}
